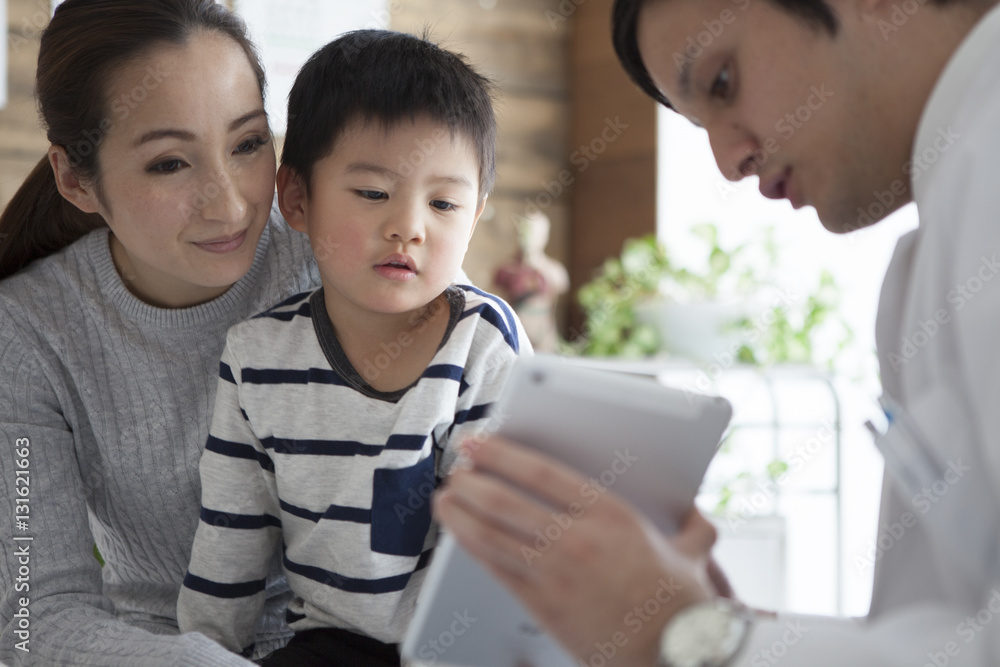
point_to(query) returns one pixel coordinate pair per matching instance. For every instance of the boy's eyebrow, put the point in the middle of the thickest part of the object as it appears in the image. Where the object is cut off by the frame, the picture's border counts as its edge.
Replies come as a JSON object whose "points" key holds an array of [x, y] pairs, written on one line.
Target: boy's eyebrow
{"points": [[186, 135], [367, 167], [361, 167], [455, 180]]}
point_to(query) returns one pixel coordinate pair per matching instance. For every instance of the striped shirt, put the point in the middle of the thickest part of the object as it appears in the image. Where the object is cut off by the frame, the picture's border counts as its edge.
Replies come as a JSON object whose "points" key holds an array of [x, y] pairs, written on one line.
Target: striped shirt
{"points": [[303, 452]]}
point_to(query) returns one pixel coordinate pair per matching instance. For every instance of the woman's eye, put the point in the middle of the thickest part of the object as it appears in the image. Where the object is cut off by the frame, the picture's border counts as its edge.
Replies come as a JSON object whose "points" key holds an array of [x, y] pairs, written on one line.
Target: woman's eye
{"points": [[720, 87], [373, 195], [443, 205], [166, 167], [252, 144]]}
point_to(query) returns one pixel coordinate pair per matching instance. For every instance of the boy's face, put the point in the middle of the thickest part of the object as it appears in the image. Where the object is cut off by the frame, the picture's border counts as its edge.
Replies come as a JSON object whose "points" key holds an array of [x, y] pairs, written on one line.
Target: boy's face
{"points": [[389, 214], [781, 99]]}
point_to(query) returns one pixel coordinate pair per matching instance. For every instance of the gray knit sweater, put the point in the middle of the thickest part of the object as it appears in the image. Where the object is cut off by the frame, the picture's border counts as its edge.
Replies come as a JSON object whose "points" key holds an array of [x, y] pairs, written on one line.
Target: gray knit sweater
{"points": [[105, 404]]}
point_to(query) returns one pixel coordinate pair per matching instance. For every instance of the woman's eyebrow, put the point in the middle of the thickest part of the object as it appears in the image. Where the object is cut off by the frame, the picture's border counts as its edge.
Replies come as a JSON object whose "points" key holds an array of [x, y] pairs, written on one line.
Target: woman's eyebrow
{"points": [[187, 135], [246, 118]]}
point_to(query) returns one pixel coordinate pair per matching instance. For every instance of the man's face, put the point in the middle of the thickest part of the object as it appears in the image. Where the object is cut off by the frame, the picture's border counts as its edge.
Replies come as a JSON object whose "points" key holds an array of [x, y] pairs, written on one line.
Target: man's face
{"points": [[781, 99]]}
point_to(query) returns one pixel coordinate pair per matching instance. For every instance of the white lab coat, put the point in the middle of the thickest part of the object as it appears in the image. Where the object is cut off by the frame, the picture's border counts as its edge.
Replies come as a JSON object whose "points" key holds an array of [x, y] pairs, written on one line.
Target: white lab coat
{"points": [[936, 598]]}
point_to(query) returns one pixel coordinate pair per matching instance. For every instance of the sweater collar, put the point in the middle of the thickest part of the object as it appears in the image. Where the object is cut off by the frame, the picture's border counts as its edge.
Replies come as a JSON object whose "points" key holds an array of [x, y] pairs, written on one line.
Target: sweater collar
{"points": [[222, 308]]}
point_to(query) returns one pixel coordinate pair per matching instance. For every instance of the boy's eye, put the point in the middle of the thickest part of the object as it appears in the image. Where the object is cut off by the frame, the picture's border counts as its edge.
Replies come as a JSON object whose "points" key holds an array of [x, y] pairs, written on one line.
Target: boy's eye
{"points": [[720, 87], [166, 167], [252, 144], [373, 195], [443, 205]]}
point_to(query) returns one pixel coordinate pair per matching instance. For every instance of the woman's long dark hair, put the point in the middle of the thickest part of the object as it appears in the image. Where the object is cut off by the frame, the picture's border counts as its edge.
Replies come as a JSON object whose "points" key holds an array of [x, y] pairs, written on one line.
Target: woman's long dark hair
{"points": [[86, 42]]}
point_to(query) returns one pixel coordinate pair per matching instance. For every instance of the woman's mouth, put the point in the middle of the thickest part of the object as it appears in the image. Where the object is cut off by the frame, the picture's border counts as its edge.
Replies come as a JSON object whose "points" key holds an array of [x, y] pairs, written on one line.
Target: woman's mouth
{"points": [[223, 244]]}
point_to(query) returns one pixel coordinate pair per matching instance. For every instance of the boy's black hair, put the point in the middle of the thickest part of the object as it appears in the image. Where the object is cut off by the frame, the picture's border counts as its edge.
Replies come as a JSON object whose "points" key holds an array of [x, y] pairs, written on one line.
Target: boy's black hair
{"points": [[625, 27], [386, 77]]}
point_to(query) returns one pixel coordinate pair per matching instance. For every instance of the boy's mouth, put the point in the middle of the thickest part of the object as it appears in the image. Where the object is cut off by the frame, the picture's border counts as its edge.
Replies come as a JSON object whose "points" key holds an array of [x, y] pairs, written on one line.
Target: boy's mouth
{"points": [[397, 267]]}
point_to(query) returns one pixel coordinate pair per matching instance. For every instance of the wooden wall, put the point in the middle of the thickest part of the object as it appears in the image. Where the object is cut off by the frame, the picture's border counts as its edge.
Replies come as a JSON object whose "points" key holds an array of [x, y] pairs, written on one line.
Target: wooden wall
{"points": [[614, 135], [22, 142], [524, 50], [561, 97]]}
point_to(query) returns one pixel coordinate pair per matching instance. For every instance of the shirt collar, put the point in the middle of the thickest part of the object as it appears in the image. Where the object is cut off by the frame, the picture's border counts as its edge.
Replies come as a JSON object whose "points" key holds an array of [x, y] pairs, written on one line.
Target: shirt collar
{"points": [[951, 92]]}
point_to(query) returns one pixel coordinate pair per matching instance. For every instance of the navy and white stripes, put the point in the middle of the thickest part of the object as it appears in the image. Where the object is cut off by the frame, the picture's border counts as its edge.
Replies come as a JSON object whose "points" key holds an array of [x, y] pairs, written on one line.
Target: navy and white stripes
{"points": [[305, 457]]}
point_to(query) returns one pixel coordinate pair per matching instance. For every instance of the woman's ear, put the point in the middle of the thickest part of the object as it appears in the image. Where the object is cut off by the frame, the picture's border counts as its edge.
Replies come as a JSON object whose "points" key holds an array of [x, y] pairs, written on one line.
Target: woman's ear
{"points": [[80, 194], [292, 198]]}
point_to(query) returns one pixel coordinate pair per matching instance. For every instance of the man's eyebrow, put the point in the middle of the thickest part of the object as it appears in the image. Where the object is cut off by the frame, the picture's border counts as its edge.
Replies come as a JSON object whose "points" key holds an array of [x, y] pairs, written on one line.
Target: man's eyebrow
{"points": [[685, 78], [186, 135]]}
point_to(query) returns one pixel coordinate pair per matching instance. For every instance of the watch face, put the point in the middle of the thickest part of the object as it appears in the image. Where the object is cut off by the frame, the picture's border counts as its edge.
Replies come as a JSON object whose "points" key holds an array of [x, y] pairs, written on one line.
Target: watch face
{"points": [[704, 635]]}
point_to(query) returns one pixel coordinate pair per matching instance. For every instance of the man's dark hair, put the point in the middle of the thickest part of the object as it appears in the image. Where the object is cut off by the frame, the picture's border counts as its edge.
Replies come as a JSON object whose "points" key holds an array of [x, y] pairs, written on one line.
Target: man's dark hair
{"points": [[386, 77], [818, 14], [625, 27]]}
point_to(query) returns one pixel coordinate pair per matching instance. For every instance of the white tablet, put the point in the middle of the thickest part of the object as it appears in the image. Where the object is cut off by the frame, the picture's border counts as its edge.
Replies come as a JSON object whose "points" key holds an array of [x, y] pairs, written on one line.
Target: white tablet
{"points": [[648, 443]]}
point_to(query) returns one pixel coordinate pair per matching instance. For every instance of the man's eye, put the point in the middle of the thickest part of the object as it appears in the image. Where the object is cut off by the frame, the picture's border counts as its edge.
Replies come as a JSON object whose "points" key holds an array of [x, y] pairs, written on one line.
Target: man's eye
{"points": [[374, 195], [720, 87], [443, 205]]}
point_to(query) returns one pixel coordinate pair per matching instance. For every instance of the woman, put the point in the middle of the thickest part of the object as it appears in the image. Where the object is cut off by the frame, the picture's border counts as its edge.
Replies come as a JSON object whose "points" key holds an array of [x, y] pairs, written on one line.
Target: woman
{"points": [[143, 235]]}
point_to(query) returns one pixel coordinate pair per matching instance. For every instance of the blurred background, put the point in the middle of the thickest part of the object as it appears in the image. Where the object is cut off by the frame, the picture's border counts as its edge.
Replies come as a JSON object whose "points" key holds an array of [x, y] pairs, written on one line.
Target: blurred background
{"points": [[718, 289]]}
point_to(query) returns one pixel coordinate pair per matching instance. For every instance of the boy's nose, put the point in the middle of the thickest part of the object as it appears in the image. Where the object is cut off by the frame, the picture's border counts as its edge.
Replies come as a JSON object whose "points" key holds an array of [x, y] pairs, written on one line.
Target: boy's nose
{"points": [[405, 227]]}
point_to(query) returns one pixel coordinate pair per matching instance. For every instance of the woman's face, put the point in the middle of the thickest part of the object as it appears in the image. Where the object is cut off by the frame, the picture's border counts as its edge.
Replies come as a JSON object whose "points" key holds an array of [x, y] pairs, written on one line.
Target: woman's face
{"points": [[186, 170]]}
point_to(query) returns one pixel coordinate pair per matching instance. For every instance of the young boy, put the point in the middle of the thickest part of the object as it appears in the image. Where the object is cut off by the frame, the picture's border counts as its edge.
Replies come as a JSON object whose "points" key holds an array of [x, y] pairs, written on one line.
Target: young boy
{"points": [[338, 411]]}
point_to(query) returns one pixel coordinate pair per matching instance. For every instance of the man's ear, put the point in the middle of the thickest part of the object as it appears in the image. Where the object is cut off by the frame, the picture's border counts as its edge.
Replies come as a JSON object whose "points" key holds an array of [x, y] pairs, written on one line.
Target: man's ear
{"points": [[293, 200], [80, 194], [475, 221]]}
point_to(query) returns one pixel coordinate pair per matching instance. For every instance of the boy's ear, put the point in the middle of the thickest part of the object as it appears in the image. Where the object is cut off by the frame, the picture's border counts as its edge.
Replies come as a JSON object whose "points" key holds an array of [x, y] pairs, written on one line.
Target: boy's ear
{"points": [[292, 198], [475, 221], [80, 194]]}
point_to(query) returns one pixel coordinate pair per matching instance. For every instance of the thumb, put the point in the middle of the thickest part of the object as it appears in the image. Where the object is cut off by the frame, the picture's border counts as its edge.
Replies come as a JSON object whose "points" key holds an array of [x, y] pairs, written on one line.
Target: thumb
{"points": [[696, 536]]}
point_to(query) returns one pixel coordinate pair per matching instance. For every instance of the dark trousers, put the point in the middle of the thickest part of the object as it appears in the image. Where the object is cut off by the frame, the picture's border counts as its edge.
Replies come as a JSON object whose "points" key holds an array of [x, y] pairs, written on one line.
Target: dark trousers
{"points": [[333, 647]]}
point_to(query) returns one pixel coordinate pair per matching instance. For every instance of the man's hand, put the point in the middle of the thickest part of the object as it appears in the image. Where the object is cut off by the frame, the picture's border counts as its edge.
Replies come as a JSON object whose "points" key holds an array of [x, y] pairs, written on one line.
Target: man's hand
{"points": [[593, 571]]}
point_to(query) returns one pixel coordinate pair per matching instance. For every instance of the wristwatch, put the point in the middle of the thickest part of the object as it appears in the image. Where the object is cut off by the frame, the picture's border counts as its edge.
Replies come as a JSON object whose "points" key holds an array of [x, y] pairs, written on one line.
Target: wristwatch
{"points": [[706, 634]]}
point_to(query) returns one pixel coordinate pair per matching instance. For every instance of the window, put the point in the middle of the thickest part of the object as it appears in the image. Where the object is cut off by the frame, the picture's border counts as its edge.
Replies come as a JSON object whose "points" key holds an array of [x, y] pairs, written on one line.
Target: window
{"points": [[690, 190]]}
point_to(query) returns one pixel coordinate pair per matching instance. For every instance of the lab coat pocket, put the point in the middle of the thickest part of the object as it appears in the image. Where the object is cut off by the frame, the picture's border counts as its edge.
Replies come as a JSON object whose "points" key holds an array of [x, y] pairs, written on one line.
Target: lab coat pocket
{"points": [[930, 456], [401, 508]]}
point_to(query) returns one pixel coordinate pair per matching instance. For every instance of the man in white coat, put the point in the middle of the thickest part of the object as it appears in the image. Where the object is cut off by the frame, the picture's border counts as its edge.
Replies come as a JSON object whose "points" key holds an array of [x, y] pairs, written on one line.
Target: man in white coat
{"points": [[909, 97]]}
